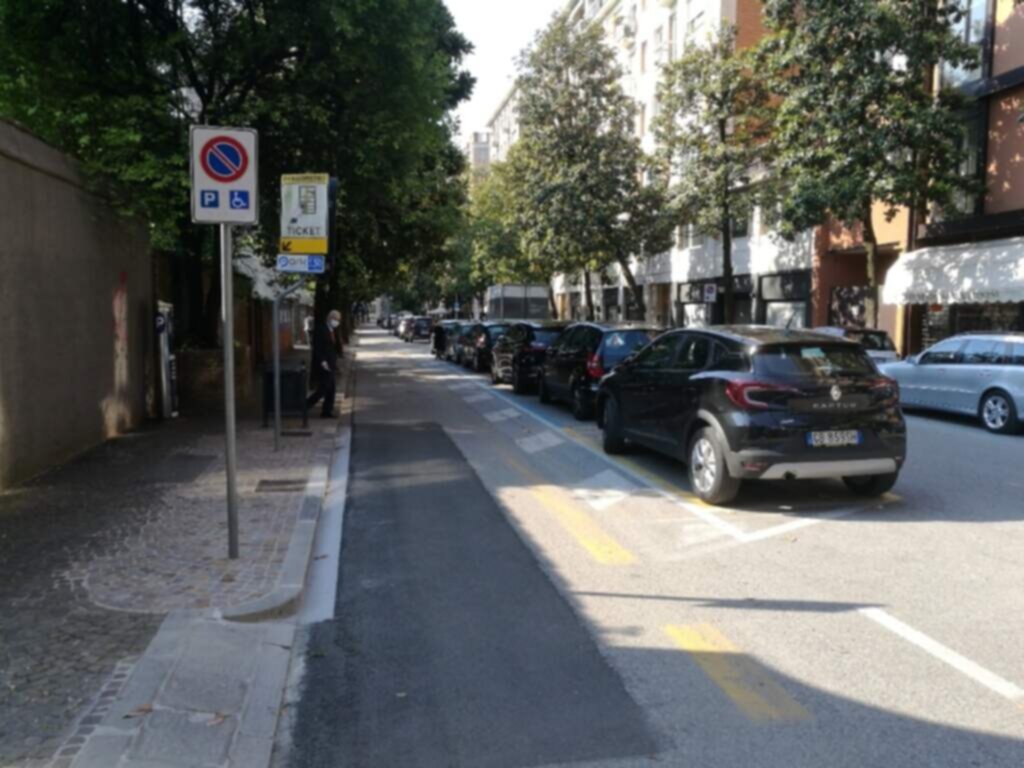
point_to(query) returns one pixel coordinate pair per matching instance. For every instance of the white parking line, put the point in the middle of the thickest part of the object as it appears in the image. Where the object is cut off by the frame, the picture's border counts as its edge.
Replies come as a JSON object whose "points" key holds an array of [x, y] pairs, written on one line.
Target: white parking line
{"points": [[976, 672], [539, 442], [498, 416], [604, 490], [477, 398]]}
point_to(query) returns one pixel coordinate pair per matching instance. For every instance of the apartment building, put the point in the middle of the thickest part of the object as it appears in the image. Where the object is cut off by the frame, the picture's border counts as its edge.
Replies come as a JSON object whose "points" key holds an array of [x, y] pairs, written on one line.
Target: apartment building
{"points": [[478, 154], [964, 270], [683, 286]]}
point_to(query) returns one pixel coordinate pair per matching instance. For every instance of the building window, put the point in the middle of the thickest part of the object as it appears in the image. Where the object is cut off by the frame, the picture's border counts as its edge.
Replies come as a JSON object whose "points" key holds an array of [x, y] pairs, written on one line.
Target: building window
{"points": [[741, 227], [973, 30], [972, 165], [643, 57], [672, 38], [660, 54], [642, 120]]}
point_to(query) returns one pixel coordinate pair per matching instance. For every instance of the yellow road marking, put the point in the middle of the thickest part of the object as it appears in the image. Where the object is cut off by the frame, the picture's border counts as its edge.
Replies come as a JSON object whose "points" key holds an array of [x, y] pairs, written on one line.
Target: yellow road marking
{"points": [[747, 684], [577, 523]]}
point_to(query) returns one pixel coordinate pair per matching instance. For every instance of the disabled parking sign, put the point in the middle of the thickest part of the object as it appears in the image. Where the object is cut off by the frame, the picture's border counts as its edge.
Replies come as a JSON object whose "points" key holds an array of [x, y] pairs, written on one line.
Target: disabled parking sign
{"points": [[224, 175]]}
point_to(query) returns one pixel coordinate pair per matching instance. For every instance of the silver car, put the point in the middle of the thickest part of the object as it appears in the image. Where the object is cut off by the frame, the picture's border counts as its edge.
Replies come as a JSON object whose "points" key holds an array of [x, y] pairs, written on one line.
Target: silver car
{"points": [[876, 343], [978, 374]]}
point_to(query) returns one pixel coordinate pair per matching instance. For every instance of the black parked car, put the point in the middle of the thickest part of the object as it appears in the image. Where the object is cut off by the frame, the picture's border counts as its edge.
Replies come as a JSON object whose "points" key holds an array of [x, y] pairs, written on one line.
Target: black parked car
{"points": [[452, 333], [585, 352], [475, 343], [752, 402], [418, 328], [518, 355]]}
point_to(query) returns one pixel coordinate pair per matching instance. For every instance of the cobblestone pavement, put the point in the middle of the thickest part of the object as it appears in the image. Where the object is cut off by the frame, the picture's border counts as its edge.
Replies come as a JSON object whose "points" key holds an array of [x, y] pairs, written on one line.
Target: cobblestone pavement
{"points": [[94, 554]]}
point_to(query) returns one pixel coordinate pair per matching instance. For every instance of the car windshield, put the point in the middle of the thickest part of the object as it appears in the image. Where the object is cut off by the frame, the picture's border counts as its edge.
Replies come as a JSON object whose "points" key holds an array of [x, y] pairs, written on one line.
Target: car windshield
{"points": [[877, 341], [494, 331], [812, 360], [545, 337], [618, 345]]}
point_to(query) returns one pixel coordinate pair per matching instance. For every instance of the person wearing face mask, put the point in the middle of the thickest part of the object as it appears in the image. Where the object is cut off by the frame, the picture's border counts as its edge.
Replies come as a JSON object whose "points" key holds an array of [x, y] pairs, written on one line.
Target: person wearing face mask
{"points": [[325, 363]]}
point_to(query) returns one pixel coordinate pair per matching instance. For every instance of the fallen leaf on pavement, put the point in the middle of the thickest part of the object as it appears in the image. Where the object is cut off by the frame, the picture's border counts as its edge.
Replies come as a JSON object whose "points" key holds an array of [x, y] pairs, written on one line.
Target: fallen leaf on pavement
{"points": [[217, 719], [142, 711]]}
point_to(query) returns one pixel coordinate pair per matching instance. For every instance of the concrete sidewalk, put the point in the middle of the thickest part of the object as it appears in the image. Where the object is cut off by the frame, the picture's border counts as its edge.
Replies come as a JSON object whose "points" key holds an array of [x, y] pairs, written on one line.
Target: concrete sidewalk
{"points": [[208, 690]]}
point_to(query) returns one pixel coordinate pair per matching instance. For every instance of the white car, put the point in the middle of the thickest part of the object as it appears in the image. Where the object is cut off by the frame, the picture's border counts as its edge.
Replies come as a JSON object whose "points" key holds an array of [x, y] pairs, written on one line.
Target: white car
{"points": [[876, 343]]}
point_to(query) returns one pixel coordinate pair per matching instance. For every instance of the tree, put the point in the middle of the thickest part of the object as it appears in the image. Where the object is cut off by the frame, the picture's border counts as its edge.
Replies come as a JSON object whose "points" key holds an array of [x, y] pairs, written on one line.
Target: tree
{"points": [[360, 90], [578, 169], [712, 130], [858, 121]]}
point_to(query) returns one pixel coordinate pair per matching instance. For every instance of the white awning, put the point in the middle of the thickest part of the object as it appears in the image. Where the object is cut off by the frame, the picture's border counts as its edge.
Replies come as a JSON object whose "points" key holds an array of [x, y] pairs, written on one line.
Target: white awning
{"points": [[967, 273]]}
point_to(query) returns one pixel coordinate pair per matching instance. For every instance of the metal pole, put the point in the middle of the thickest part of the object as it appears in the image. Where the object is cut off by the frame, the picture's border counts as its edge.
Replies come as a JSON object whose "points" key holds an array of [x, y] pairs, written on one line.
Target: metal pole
{"points": [[277, 373], [228, 325], [277, 363]]}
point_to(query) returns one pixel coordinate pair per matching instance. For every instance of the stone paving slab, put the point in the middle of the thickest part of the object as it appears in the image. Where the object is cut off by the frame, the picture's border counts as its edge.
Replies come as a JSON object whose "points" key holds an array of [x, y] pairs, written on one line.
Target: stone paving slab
{"points": [[95, 554]]}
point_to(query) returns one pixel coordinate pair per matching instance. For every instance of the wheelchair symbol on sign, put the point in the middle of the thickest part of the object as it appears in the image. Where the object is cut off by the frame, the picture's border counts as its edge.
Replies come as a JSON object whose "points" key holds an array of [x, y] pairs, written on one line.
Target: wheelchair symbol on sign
{"points": [[239, 200]]}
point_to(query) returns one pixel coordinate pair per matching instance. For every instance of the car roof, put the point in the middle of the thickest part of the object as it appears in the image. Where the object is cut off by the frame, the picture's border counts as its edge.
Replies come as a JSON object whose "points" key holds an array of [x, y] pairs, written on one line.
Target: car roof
{"points": [[617, 326], [1000, 335], [551, 325], [762, 335]]}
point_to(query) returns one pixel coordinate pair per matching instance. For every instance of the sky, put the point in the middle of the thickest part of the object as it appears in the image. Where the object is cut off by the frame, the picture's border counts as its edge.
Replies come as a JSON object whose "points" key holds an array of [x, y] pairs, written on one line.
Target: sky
{"points": [[499, 30]]}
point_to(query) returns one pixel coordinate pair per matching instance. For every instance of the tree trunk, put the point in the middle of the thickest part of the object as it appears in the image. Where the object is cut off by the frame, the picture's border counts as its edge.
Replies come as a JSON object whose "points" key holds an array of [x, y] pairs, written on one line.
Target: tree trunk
{"points": [[589, 295], [634, 290], [870, 253], [551, 301], [729, 295]]}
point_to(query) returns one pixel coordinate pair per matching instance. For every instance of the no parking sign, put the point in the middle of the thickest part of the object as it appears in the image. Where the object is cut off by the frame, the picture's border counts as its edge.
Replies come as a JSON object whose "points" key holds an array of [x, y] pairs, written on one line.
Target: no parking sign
{"points": [[224, 175]]}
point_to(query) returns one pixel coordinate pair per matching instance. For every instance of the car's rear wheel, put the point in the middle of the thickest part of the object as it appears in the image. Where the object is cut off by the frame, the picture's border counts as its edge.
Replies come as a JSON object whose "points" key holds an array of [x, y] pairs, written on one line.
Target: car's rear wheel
{"points": [[997, 412], [612, 439], [518, 384], [581, 407], [871, 485], [542, 390], [709, 474]]}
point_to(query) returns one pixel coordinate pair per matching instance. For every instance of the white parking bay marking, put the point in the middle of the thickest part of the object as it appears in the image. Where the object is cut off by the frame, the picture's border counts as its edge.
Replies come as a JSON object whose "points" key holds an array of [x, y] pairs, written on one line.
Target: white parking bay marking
{"points": [[462, 386], [976, 672], [604, 490], [477, 398], [539, 442], [498, 416]]}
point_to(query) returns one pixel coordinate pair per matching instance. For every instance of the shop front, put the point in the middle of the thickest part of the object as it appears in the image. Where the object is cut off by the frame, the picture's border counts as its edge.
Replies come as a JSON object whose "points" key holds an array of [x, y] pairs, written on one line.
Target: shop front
{"points": [[784, 299], [702, 302], [959, 288]]}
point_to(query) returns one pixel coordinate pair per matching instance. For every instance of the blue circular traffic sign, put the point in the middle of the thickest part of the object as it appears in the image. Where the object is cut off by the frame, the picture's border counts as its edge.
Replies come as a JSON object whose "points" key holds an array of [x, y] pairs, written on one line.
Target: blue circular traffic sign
{"points": [[224, 159]]}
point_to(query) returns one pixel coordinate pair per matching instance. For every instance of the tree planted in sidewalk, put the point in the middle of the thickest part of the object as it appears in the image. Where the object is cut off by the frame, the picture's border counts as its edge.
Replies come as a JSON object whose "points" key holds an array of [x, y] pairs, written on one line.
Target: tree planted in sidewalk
{"points": [[712, 129], [579, 169], [859, 121]]}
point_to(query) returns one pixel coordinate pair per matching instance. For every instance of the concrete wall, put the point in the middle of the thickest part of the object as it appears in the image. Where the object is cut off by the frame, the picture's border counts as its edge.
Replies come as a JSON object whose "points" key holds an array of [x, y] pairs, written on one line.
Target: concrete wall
{"points": [[75, 312]]}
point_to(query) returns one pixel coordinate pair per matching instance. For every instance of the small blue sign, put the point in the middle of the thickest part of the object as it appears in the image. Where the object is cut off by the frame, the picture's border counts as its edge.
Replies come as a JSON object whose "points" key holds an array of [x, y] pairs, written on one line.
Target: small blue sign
{"points": [[239, 200], [317, 264], [308, 265], [209, 198]]}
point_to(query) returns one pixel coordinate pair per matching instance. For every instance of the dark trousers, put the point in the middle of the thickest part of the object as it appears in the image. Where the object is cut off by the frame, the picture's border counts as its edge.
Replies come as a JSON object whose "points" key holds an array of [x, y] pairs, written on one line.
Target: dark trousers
{"points": [[324, 389]]}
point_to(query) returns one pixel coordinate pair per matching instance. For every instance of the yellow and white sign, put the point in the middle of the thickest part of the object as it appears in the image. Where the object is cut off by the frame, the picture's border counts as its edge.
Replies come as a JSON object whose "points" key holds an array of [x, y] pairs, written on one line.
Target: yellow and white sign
{"points": [[304, 213]]}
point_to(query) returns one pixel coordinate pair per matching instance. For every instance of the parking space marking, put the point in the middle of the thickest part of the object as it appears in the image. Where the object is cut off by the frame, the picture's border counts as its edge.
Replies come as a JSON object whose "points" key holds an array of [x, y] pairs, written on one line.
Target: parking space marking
{"points": [[947, 655], [496, 417], [477, 398], [604, 490], [578, 524], [748, 684], [539, 442]]}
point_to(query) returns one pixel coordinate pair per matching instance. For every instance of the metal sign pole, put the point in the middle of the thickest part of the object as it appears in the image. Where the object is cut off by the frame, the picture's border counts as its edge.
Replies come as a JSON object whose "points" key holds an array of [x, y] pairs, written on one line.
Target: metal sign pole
{"points": [[228, 325], [277, 363]]}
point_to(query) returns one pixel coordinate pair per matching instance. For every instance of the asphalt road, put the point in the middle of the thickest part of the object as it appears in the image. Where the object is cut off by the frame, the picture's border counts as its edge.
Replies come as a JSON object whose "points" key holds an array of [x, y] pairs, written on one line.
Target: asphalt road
{"points": [[509, 596]]}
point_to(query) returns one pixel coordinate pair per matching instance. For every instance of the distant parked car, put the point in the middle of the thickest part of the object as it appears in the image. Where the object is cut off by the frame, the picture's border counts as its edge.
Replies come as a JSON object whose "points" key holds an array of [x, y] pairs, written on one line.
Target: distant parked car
{"points": [[752, 402], [476, 341], [876, 343], [418, 328], [518, 355], [581, 356], [402, 327], [976, 374], [451, 340]]}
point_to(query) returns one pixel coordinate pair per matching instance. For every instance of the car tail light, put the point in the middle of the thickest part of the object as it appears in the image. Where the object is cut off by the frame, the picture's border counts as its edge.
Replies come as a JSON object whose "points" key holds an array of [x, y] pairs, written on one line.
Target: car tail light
{"points": [[888, 388], [749, 395], [594, 368]]}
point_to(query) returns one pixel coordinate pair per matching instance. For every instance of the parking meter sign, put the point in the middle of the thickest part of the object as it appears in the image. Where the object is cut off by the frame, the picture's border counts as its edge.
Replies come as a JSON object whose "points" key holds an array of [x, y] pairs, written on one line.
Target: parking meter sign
{"points": [[224, 175]]}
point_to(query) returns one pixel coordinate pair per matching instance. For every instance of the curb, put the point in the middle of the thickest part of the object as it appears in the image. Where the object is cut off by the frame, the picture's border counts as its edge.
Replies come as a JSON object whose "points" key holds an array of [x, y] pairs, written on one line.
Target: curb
{"points": [[286, 596]]}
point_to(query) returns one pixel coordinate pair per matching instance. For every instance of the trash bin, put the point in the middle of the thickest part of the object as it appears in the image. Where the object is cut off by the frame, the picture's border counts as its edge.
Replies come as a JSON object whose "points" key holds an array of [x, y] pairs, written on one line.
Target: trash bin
{"points": [[293, 393]]}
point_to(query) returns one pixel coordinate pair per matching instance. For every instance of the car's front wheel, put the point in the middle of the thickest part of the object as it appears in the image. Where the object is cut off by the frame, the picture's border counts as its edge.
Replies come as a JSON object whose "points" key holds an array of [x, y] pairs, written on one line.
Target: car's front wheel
{"points": [[871, 485], [998, 413], [613, 442], [709, 474]]}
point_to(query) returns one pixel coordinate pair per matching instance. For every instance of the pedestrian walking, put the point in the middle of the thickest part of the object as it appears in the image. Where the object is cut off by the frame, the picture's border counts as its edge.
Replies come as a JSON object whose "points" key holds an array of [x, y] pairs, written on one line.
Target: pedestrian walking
{"points": [[325, 363], [439, 341]]}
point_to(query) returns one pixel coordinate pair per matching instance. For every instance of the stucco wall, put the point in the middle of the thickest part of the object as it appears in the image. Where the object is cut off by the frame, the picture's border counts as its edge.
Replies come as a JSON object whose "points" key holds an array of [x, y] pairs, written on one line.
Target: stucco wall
{"points": [[1005, 169], [1008, 52], [75, 314]]}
